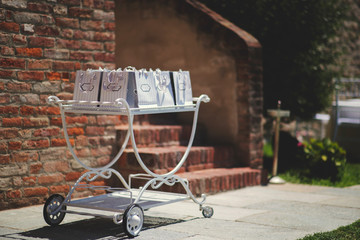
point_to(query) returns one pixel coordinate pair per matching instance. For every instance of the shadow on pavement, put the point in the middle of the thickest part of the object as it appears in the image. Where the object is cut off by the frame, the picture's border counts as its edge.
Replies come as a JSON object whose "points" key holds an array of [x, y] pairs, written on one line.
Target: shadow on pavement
{"points": [[95, 228]]}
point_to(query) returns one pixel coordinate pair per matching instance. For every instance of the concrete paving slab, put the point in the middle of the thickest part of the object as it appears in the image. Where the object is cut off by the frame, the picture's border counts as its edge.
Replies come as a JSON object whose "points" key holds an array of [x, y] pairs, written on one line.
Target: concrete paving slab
{"points": [[288, 211]]}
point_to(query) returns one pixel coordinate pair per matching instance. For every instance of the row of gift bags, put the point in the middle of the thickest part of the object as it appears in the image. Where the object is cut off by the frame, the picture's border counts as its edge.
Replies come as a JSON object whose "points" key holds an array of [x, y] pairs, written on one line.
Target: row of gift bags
{"points": [[140, 88]]}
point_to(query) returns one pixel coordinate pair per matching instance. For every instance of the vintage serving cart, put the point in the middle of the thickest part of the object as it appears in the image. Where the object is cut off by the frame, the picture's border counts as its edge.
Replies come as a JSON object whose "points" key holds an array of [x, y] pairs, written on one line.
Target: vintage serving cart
{"points": [[123, 205]]}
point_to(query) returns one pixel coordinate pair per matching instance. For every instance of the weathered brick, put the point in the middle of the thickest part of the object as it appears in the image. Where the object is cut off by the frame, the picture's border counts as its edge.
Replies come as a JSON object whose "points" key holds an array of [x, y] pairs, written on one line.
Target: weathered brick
{"points": [[24, 156], [60, 10], [9, 27], [15, 4], [12, 63], [29, 52], [88, 35], [19, 39], [110, 26], [109, 5], [50, 179], [36, 122], [7, 74], [48, 110], [59, 189], [61, 142], [67, 22], [18, 87], [56, 166], [89, 45], [27, 17], [27, 110], [75, 131], [105, 57], [81, 55], [62, 65], [41, 41], [3, 147], [9, 110], [31, 75], [52, 76], [70, 2], [27, 28], [35, 168], [12, 122], [40, 7], [30, 98], [67, 33], [94, 130], [72, 176], [36, 144], [13, 194], [46, 132], [29, 181], [47, 87], [104, 16], [4, 159], [36, 191], [47, 31], [39, 64], [80, 12], [7, 51], [56, 54], [8, 133], [91, 25], [104, 36], [14, 145]]}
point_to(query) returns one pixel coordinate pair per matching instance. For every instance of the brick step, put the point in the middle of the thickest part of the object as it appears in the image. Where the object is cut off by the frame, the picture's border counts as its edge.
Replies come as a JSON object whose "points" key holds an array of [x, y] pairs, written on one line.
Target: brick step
{"points": [[154, 135], [216, 180], [211, 181], [163, 159]]}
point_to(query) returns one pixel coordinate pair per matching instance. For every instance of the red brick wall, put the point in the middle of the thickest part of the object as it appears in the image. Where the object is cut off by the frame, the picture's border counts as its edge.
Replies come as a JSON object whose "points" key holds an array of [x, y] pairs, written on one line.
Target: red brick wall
{"points": [[42, 44]]}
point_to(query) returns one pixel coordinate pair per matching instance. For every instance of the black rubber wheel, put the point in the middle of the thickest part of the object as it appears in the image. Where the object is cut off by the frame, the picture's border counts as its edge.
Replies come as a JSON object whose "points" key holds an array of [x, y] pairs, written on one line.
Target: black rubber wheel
{"points": [[133, 220], [207, 212], [52, 203]]}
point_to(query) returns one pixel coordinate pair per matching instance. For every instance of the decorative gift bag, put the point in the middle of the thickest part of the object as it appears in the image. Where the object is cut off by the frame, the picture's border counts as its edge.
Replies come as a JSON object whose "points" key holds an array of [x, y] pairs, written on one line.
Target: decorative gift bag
{"points": [[182, 85], [114, 85], [87, 85], [141, 91], [165, 94]]}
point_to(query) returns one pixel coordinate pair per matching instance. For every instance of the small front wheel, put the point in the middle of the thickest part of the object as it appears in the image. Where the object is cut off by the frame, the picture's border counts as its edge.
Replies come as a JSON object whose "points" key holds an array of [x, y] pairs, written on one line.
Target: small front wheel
{"points": [[133, 220], [52, 215], [207, 212]]}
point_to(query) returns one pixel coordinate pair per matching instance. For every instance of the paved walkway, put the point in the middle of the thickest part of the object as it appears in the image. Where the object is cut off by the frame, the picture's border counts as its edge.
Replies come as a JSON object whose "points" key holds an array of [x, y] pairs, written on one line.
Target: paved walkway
{"points": [[286, 211]]}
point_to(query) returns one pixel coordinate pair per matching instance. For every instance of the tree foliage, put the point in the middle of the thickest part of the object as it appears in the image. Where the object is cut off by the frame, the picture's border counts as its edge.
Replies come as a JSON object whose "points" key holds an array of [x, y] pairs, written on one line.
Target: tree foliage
{"points": [[297, 48]]}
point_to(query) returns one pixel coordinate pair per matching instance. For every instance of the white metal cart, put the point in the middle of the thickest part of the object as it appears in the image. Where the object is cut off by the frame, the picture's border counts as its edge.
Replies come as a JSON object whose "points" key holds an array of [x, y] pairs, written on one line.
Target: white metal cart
{"points": [[123, 205]]}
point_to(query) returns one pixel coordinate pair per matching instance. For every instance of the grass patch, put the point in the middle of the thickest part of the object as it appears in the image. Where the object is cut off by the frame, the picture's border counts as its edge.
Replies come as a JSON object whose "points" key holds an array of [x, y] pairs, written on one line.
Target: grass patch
{"points": [[350, 177], [349, 232]]}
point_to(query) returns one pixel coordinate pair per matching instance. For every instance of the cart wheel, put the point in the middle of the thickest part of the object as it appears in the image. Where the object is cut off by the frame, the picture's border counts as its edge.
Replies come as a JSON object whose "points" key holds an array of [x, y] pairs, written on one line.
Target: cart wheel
{"points": [[53, 202], [133, 220], [207, 212]]}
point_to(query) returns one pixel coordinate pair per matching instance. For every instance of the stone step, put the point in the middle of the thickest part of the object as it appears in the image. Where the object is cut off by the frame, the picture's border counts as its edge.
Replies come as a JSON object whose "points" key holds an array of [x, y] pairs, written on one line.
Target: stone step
{"points": [[154, 135]]}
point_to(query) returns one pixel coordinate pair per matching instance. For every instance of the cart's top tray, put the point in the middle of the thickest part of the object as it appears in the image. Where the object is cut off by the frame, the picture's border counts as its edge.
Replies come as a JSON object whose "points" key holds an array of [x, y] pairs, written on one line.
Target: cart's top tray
{"points": [[118, 108]]}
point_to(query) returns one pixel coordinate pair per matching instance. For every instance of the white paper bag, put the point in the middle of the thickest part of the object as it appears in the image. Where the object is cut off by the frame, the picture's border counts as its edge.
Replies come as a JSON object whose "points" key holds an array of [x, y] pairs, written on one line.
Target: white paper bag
{"points": [[182, 85], [141, 90], [165, 94], [114, 85], [87, 85]]}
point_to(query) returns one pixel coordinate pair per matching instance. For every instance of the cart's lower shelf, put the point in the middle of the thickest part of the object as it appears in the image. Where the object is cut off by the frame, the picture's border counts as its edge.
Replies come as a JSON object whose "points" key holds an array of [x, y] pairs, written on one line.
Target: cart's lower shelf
{"points": [[119, 201]]}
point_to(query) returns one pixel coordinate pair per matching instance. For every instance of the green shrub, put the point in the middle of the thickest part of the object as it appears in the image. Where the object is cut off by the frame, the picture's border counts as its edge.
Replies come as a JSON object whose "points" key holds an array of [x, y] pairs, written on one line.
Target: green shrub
{"points": [[324, 159]]}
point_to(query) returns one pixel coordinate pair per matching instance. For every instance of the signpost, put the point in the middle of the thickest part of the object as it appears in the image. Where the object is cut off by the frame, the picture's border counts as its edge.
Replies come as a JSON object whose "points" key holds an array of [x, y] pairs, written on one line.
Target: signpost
{"points": [[277, 114]]}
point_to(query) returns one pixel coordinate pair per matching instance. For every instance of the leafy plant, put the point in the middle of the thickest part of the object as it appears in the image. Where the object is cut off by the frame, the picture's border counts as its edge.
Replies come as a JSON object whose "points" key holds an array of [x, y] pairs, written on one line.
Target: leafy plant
{"points": [[325, 159]]}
